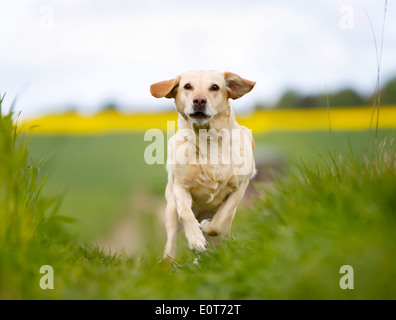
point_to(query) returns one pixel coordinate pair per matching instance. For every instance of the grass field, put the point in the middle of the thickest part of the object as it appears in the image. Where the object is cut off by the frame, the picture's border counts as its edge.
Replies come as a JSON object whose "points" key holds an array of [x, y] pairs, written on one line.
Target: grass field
{"points": [[101, 174], [289, 243]]}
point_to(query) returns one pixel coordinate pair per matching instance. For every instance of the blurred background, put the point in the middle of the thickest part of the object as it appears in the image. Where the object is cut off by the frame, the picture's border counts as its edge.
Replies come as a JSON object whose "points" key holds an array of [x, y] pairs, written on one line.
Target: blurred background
{"points": [[80, 72], [85, 55]]}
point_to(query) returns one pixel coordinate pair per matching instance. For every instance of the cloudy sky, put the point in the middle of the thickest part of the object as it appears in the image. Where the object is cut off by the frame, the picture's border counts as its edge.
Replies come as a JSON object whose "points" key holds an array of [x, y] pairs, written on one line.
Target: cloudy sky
{"points": [[63, 54]]}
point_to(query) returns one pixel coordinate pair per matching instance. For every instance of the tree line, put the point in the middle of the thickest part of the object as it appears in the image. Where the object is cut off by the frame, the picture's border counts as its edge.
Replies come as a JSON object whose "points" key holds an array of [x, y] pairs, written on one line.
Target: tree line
{"points": [[347, 97]]}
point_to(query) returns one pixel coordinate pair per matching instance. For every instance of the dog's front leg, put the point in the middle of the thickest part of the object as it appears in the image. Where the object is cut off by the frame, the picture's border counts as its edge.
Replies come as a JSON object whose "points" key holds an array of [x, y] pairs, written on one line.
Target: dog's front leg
{"points": [[192, 228], [222, 220], [172, 226]]}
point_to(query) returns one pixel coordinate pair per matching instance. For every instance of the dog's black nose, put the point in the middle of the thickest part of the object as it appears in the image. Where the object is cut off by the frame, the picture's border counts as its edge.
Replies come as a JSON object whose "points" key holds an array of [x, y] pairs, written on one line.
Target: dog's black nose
{"points": [[199, 103]]}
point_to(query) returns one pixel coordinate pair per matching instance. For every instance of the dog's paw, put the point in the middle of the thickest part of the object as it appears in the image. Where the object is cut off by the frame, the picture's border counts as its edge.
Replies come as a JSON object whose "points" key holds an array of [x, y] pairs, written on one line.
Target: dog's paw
{"points": [[195, 238], [208, 228], [205, 225]]}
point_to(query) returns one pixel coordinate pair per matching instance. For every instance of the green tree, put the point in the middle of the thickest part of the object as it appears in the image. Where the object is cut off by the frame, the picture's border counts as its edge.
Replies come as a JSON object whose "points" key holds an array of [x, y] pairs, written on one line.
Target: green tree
{"points": [[346, 98], [289, 100], [388, 93], [110, 107]]}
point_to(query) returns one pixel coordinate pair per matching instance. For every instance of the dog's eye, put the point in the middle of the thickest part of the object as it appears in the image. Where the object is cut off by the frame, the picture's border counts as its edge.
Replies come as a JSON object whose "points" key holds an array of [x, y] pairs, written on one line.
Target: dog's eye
{"points": [[215, 87], [188, 86]]}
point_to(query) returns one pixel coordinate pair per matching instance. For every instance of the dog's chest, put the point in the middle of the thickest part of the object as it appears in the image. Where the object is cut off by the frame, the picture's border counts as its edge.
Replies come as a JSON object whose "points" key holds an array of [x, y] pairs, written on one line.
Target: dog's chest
{"points": [[212, 184], [206, 169]]}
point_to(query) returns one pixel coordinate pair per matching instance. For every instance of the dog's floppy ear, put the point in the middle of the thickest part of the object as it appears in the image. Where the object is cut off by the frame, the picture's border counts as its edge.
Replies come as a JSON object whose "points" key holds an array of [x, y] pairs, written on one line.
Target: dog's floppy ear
{"points": [[237, 86], [167, 89]]}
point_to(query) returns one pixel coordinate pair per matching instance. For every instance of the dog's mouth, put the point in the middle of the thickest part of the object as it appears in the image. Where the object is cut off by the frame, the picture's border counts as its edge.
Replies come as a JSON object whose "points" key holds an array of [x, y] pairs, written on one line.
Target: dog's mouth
{"points": [[199, 116]]}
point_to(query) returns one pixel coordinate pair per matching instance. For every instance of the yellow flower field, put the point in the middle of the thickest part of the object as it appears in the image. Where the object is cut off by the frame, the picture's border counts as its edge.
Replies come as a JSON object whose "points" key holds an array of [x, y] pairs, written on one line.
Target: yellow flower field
{"points": [[259, 121]]}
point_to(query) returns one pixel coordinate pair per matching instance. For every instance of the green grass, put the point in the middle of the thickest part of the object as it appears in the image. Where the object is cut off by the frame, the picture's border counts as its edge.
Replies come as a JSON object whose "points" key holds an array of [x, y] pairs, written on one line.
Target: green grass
{"points": [[98, 175], [288, 244], [310, 146], [27, 217]]}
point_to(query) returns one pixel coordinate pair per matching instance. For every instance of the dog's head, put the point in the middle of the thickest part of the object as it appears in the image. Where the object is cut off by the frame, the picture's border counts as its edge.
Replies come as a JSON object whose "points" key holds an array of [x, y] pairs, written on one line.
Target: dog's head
{"points": [[200, 95]]}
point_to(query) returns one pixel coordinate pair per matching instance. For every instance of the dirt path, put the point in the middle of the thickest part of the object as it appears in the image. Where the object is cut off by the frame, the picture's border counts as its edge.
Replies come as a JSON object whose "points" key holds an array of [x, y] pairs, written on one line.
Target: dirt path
{"points": [[140, 226]]}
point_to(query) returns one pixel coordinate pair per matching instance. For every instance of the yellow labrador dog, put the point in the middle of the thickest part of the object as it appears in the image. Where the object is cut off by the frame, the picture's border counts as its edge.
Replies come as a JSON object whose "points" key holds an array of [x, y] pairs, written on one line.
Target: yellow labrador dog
{"points": [[210, 158]]}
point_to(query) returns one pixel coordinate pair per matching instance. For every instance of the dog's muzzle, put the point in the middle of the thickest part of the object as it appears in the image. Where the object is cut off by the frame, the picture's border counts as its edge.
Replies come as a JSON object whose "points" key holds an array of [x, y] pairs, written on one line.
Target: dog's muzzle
{"points": [[199, 107]]}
